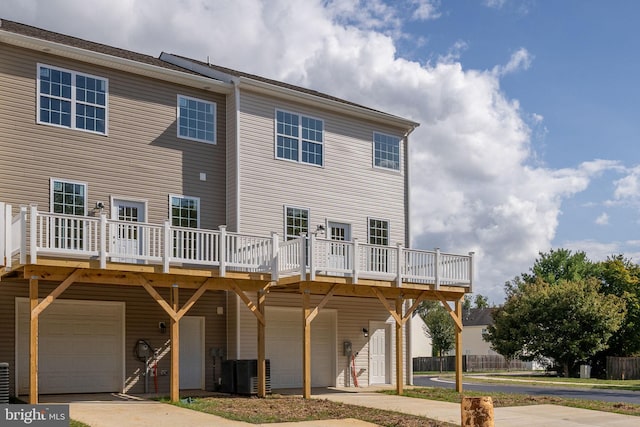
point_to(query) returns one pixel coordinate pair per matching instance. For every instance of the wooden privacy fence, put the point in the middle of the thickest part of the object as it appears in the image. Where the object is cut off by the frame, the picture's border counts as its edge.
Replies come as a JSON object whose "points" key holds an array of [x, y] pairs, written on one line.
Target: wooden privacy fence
{"points": [[470, 363], [623, 368]]}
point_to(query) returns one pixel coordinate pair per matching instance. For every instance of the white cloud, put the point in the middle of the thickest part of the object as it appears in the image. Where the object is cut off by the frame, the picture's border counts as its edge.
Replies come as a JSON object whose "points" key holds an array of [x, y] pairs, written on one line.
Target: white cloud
{"points": [[519, 60], [425, 10], [495, 4], [474, 187], [627, 188], [602, 219]]}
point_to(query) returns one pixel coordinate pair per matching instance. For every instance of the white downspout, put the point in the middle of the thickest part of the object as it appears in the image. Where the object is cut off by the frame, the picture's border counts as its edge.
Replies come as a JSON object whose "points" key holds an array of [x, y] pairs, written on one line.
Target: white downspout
{"points": [[236, 94]]}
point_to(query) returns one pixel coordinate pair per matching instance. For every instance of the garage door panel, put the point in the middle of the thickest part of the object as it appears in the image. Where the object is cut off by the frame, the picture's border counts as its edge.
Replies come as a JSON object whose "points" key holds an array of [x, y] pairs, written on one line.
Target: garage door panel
{"points": [[284, 347], [81, 347]]}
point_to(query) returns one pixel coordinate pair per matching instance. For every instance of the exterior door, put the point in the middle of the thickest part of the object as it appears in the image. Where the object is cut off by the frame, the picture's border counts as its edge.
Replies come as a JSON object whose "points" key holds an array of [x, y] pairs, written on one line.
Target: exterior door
{"points": [[127, 238], [378, 350], [339, 253], [192, 352]]}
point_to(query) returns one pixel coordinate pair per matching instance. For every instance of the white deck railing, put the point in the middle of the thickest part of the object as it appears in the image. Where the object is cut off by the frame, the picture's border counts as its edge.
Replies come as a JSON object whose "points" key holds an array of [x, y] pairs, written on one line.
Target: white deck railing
{"points": [[35, 233]]}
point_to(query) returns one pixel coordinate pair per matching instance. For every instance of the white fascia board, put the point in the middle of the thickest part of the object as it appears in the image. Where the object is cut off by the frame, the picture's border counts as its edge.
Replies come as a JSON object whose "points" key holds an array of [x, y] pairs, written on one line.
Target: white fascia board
{"points": [[310, 99], [115, 62]]}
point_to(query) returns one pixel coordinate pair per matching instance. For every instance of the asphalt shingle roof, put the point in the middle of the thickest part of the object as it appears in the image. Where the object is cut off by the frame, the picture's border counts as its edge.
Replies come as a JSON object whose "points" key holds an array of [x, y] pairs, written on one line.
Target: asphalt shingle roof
{"points": [[477, 316], [39, 33]]}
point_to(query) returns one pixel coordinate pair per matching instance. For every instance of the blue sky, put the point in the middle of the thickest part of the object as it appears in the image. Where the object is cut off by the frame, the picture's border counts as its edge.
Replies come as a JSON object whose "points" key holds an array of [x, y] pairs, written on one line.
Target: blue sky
{"points": [[528, 108]]}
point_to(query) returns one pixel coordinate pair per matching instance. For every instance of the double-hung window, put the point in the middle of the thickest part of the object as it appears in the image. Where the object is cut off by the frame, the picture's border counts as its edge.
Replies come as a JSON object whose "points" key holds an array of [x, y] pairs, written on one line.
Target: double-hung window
{"points": [[196, 119], [299, 138], [69, 199], [378, 231], [386, 151], [184, 213], [296, 221], [72, 100]]}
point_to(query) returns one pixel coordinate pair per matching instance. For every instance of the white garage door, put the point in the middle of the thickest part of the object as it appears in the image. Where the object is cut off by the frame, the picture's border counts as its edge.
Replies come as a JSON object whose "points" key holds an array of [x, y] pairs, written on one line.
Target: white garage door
{"points": [[284, 347], [81, 347]]}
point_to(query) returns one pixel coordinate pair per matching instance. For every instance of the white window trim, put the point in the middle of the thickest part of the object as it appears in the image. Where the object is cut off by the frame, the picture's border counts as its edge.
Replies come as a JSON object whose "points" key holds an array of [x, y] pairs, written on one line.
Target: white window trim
{"points": [[69, 181], [284, 218], [114, 214], [369, 219], [181, 196], [215, 119], [275, 138], [373, 153], [326, 228], [73, 100]]}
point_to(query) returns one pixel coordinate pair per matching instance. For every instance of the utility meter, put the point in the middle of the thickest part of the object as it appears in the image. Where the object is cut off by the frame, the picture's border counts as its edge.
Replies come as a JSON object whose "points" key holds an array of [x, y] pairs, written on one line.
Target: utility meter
{"points": [[347, 348]]}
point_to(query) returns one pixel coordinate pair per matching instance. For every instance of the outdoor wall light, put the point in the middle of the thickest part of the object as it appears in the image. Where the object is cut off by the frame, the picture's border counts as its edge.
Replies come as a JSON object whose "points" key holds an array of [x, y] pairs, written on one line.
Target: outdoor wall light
{"points": [[163, 327], [365, 332]]}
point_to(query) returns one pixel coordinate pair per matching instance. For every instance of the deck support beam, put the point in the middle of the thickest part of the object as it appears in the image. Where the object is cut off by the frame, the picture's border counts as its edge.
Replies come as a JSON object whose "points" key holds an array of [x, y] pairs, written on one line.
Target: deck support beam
{"points": [[258, 311], [262, 364], [172, 308], [456, 315], [308, 315], [35, 309], [458, 306], [175, 347], [46, 302], [306, 344], [33, 342], [399, 357], [400, 318]]}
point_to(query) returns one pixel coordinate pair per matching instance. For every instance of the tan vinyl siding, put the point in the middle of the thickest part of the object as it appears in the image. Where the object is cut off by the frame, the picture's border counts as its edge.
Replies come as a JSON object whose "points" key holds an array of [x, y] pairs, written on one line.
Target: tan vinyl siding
{"points": [[142, 315], [353, 314], [346, 189], [140, 158], [232, 325]]}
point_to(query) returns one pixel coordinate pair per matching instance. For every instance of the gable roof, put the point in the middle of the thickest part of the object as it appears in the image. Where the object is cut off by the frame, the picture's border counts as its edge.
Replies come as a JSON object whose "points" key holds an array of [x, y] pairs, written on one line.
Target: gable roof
{"points": [[477, 317], [286, 90], [50, 42]]}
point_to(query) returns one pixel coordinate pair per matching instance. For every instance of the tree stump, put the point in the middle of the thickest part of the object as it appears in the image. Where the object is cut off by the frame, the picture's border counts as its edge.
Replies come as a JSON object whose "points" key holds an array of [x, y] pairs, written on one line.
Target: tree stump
{"points": [[477, 412]]}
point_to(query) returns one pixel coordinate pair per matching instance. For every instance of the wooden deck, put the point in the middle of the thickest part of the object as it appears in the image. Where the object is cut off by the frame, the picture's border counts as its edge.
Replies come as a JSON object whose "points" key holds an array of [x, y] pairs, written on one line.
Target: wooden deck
{"points": [[64, 250]]}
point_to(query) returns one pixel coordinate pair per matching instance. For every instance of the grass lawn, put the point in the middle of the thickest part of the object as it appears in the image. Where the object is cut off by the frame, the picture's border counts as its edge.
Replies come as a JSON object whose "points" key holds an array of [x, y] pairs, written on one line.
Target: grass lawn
{"points": [[509, 399], [277, 408]]}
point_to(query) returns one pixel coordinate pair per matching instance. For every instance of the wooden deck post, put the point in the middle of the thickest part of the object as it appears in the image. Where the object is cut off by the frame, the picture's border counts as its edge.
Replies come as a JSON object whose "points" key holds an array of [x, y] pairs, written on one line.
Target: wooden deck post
{"points": [[33, 341], [306, 346], [458, 308], [399, 358], [262, 366], [175, 347]]}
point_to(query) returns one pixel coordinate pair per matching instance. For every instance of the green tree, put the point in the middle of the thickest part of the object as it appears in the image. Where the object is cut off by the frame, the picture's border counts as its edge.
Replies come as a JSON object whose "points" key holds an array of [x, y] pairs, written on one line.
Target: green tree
{"points": [[561, 264], [568, 321], [481, 301], [505, 339], [467, 302], [439, 326], [621, 277]]}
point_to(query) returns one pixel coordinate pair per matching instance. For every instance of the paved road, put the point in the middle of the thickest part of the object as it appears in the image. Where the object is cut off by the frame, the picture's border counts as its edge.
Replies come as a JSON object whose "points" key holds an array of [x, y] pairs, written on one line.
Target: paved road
{"points": [[625, 396]]}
